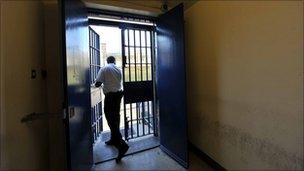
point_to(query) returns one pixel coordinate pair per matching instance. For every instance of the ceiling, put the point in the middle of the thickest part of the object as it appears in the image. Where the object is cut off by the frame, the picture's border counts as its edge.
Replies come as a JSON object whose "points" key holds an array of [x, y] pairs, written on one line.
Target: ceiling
{"points": [[143, 7]]}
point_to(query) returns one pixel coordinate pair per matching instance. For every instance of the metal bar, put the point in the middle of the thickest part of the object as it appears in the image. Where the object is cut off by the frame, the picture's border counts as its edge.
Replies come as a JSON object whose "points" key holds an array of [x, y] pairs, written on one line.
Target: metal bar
{"points": [[142, 117], [101, 129], [149, 125], [151, 52], [141, 74], [146, 56], [97, 22], [131, 104], [137, 119], [124, 104], [152, 76], [94, 48], [149, 113], [139, 46], [121, 14], [95, 65], [93, 31], [134, 63], [129, 55], [135, 55]]}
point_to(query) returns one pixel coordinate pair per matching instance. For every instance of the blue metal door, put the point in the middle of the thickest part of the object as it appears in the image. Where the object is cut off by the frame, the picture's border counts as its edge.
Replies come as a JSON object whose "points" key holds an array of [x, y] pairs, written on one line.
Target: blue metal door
{"points": [[76, 68], [171, 84]]}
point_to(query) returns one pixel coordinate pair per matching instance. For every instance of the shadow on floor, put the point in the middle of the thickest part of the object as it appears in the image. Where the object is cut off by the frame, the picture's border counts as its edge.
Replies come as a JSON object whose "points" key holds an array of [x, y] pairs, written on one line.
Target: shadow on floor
{"points": [[104, 152], [153, 159]]}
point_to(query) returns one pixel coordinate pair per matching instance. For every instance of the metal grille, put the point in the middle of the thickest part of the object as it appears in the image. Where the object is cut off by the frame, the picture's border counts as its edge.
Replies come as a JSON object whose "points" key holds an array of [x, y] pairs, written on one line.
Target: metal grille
{"points": [[94, 54], [96, 109], [96, 118], [138, 55]]}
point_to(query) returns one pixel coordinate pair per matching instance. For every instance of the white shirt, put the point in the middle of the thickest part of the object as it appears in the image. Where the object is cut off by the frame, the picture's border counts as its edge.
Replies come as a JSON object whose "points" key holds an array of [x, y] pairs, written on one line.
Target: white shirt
{"points": [[110, 76]]}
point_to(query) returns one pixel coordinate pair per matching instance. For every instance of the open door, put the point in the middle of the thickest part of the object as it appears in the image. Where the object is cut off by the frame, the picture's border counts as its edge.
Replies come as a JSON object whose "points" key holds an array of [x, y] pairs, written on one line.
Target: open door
{"points": [[138, 58], [76, 69], [171, 84]]}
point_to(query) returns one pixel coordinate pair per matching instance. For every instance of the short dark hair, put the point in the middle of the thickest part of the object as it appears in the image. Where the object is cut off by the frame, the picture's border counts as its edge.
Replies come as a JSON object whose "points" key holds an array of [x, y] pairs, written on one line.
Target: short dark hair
{"points": [[110, 59]]}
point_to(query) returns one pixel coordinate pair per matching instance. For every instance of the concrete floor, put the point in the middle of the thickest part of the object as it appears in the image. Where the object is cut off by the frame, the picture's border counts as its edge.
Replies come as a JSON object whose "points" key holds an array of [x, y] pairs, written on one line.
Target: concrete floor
{"points": [[154, 159], [104, 152]]}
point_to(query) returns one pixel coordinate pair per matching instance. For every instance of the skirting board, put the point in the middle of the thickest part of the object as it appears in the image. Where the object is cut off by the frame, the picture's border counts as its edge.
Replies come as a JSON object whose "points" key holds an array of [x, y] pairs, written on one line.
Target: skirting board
{"points": [[205, 157], [176, 158]]}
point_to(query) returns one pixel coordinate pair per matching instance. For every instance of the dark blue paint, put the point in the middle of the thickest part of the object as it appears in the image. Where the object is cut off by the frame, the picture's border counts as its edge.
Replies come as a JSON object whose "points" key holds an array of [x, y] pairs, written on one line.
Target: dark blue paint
{"points": [[171, 84], [135, 92], [77, 84]]}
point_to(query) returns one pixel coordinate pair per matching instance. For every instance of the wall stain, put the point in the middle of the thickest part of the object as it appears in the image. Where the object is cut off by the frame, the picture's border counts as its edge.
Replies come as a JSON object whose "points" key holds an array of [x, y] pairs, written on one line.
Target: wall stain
{"points": [[268, 152]]}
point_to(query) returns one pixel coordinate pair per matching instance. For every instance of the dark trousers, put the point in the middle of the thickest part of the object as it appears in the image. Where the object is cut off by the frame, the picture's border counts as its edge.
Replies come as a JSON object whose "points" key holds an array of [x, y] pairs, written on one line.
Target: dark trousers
{"points": [[112, 113]]}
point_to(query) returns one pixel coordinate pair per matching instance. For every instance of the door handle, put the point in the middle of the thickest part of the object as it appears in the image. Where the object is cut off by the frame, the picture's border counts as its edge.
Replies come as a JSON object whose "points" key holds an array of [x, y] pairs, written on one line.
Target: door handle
{"points": [[36, 116]]}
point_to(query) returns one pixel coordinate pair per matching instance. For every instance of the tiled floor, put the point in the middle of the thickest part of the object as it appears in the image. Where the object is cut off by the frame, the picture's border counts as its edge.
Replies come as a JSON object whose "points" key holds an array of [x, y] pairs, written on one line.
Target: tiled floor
{"points": [[153, 159]]}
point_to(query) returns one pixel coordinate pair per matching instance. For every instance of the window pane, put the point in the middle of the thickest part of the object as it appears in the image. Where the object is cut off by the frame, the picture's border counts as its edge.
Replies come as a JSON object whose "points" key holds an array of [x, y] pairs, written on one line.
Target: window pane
{"points": [[143, 38], [131, 36], [149, 55], [148, 39], [138, 66], [137, 38], [149, 72], [143, 53], [126, 37]]}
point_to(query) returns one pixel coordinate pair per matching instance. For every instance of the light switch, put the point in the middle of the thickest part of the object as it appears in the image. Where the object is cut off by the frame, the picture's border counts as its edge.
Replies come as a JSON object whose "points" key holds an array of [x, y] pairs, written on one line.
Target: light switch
{"points": [[33, 74]]}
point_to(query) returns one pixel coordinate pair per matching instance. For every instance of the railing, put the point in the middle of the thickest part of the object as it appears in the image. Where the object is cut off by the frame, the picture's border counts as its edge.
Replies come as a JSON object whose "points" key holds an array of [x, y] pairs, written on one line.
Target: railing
{"points": [[140, 120], [96, 118]]}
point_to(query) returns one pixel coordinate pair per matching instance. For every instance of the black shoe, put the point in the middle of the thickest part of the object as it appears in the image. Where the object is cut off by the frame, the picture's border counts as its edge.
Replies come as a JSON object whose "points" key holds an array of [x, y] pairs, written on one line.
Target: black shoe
{"points": [[121, 152], [110, 142]]}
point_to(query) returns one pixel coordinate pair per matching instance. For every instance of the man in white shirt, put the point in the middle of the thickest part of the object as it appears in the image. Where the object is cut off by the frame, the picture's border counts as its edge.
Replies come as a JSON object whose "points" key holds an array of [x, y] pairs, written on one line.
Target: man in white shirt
{"points": [[110, 78]]}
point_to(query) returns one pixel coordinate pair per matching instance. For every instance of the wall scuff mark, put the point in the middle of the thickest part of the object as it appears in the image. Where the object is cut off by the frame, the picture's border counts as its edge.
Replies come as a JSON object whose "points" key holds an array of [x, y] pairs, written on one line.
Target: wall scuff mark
{"points": [[268, 152]]}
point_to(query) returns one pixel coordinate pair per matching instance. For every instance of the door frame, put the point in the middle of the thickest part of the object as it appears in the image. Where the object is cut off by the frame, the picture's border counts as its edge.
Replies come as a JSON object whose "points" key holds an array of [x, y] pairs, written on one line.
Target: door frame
{"points": [[136, 26], [123, 26]]}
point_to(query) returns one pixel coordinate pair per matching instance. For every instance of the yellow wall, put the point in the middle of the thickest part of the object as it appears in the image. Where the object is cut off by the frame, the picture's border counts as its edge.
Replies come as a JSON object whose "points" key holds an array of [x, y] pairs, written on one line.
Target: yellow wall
{"points": [[1, 82], [245, 82], [25, 146]]}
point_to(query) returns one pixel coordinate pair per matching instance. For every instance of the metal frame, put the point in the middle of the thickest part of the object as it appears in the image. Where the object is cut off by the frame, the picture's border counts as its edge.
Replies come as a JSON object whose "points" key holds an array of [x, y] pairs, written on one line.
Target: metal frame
{"points": [[139, 78], [120, 24], [121, 14], [94, 54], [96, 110]]}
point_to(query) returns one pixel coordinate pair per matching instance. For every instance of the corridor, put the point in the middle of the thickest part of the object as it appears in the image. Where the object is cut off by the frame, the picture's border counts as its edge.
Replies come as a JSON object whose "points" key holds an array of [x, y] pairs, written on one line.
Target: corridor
{"points": [[154, 159]]}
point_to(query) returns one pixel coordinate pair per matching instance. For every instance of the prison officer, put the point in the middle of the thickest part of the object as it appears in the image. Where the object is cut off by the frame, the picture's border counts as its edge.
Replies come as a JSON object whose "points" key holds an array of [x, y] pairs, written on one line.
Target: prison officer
{"points": [[110, 78]]}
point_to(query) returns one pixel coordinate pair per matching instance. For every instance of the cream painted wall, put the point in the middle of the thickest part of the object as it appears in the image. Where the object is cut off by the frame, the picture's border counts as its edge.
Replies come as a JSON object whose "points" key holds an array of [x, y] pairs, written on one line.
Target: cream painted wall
{"points": [[1, 106], [143, 7], [245, 82], [22, 49]]}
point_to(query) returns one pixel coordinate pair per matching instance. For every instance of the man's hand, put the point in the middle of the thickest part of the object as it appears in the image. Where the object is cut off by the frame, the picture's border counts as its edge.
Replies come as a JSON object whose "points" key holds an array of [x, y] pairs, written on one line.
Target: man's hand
{"points": [[97, 84]]}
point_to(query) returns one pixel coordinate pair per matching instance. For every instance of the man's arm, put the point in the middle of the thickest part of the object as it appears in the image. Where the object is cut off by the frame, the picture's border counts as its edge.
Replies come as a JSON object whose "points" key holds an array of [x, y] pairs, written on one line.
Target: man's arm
{"points": [[100, 78]]}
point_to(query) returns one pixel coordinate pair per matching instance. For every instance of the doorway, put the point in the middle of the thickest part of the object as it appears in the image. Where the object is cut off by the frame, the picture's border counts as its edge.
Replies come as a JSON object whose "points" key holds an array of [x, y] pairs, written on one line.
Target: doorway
{"points": [[134, 50], [169, 73]]}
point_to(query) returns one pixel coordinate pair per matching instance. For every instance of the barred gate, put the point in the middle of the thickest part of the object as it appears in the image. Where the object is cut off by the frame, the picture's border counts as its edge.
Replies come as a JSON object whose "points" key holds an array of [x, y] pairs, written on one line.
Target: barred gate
{"points": [[138, 57], [96, 103]]}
